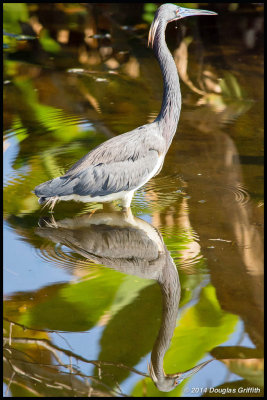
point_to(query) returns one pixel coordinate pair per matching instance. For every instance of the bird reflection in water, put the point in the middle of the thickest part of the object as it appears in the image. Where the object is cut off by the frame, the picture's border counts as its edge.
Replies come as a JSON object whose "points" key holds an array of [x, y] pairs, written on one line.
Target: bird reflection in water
{"points": [[132, 246]]}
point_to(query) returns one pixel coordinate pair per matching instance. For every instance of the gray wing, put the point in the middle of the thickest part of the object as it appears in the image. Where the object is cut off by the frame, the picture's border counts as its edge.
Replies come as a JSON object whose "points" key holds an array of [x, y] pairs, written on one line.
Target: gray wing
{"points": [[121, 163], [104, 179], [131, 145]]}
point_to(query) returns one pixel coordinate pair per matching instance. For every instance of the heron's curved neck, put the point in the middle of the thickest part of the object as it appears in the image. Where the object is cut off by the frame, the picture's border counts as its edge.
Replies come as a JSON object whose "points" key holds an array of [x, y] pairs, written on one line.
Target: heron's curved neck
{"points": [[170, 288], [171, 103]]}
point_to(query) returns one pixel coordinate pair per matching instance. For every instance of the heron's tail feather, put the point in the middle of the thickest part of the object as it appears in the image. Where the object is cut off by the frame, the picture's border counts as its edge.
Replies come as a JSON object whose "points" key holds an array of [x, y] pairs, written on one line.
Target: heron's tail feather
{"points": [[61, 186], [42, 200]]}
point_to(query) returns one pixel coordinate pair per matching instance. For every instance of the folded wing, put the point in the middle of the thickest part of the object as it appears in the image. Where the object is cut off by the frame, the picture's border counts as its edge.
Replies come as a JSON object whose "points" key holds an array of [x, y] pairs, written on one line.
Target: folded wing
{"points": [[123, 163]]}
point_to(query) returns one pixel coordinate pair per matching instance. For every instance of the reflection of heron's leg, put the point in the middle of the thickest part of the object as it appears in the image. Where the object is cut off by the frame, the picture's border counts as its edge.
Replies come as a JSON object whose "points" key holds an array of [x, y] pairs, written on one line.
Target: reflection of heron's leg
{"points": [[128, 216], [48, 222], [92, 212]]}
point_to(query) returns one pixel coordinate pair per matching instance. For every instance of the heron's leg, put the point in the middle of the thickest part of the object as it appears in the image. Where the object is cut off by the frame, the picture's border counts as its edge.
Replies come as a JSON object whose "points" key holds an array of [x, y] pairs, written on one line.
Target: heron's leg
{"points": [[127, 199]]}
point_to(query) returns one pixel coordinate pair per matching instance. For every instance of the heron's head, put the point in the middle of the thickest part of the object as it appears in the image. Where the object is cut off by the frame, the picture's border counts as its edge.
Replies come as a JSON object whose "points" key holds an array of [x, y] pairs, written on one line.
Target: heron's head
{"points": [[170, 12]]}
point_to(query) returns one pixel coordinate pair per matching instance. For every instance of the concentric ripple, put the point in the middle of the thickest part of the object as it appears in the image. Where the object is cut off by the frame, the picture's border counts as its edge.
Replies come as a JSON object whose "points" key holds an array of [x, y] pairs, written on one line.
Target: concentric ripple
{"points": [[160, 192], [61, 257], [241, 195]]}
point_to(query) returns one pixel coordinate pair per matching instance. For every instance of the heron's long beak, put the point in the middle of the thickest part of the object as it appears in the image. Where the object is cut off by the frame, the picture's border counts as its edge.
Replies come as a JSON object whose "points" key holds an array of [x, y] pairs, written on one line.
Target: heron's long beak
{"points": [[190, 372], [190, 12]]}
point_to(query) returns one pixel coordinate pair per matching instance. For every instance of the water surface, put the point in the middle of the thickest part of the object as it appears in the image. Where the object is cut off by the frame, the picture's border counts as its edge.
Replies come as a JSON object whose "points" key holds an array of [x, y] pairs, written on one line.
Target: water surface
{"points": [[97, 302]]}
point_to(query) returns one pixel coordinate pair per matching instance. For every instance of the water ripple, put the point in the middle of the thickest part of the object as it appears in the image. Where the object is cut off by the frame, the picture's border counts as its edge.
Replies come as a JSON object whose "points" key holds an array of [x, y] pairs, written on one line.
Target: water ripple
{"points": [[240, 193], [62, 257], [184, 246], [161, 192]]}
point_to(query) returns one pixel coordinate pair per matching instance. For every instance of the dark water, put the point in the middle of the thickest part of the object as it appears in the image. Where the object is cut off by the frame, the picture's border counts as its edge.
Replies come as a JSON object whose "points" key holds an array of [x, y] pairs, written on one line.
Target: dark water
{"points": [[96, 304]]}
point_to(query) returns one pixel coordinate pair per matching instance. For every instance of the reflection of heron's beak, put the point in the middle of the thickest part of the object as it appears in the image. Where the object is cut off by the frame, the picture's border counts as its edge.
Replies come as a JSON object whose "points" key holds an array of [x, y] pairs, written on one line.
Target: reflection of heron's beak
{"points": [[190, 372], [179, 375], [190, 12]]}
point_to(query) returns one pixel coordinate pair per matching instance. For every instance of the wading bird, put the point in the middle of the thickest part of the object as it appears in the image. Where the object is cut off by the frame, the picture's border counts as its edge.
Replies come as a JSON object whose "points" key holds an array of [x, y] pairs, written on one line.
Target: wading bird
{"points": [[118, 167]]}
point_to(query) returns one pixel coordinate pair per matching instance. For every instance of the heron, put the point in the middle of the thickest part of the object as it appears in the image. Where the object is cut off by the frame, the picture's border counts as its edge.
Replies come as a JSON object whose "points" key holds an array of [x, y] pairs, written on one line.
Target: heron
{"points": [[115, 169]]}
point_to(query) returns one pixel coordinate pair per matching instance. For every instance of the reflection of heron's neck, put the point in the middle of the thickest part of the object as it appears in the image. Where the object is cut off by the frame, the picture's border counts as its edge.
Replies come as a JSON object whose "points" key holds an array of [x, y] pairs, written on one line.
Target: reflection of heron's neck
{"points": [[171, 103], [170, 288]]}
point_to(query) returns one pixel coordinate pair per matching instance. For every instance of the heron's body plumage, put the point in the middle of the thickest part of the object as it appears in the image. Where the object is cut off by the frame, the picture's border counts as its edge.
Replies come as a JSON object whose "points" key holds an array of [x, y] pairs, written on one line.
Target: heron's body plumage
{"points": [[106, 174]]}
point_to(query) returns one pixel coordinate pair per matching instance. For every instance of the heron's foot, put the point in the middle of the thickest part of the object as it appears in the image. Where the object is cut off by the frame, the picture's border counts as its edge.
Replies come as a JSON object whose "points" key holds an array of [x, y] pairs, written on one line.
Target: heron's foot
{"points": [[50, 202], [92, 212]]}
